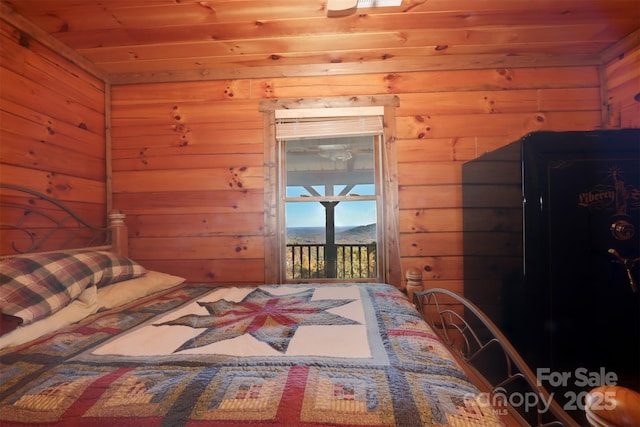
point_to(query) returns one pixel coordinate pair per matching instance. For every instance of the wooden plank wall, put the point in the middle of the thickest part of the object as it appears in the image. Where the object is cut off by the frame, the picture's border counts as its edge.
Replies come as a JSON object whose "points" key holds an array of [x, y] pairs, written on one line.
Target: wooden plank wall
{"points": [[52, 127], [188, 172], [622, 84], [187, 159]]}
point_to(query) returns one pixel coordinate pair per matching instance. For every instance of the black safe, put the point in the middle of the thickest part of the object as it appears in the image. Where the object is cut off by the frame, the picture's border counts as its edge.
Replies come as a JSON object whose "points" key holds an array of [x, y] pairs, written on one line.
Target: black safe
{"points": [[552, 247]]}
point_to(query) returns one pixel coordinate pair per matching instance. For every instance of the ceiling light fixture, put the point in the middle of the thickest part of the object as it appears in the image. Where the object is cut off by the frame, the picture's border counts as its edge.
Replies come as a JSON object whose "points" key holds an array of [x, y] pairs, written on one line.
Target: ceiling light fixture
{"points": [[341, 7], [337, 152], [337, 8]]}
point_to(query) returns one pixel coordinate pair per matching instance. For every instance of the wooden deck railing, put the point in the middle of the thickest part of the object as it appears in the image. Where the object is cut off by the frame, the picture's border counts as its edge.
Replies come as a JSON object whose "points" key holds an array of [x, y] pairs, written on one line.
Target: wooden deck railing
{"points": [[352, 261]]}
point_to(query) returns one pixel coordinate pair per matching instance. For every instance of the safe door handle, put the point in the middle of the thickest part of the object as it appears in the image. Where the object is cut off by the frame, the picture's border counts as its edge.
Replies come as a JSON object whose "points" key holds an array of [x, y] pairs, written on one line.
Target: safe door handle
{"points": [[628, 265]]}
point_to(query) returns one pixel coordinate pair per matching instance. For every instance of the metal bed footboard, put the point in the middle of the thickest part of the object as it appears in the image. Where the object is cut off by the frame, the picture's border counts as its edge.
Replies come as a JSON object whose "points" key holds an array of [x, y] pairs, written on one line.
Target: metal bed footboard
{"points": [[510, 383]]}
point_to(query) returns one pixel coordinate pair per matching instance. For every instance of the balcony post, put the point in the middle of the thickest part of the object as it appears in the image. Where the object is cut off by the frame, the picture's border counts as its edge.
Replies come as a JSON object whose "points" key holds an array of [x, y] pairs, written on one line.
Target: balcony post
{"points": [[331, 251]]}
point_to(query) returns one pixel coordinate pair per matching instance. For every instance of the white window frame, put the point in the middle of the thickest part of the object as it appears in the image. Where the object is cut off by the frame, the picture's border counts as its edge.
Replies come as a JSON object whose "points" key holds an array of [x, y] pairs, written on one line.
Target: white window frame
{"points": [[377, 197], [274, 233]]}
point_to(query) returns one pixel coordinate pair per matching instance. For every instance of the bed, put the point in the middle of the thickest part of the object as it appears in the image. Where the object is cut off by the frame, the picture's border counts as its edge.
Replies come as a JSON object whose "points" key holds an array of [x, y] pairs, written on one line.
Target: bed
{"points": [[149, 349]]}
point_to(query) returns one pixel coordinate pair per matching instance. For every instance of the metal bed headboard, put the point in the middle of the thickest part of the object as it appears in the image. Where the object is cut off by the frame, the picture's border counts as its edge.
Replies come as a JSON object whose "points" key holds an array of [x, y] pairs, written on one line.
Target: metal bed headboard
{"points": [[75, 228]]}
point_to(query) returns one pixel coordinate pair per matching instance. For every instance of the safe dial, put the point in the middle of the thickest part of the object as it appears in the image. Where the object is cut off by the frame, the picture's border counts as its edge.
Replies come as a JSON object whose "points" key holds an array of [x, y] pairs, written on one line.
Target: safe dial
{"points": [[622, 230]]}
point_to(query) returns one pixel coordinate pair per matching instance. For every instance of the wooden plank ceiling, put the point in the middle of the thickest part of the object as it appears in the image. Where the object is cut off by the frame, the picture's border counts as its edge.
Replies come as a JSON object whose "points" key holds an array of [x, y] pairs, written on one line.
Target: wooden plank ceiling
{"points": [[163, 40]]}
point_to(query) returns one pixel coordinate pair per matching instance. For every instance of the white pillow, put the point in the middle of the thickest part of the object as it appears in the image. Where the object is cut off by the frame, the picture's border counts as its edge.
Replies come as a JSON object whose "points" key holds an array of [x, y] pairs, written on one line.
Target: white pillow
{"points": [[120, 293]]}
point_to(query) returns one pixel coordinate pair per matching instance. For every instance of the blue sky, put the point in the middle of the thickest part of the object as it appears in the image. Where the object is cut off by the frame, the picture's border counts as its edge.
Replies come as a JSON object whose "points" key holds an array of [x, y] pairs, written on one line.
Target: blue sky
{"points": [[311, 214]]}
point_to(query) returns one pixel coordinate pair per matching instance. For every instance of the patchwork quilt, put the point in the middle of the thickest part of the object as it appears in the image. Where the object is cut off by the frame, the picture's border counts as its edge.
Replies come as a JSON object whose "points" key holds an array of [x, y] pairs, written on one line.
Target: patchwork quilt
{"points": [[285, 355]]}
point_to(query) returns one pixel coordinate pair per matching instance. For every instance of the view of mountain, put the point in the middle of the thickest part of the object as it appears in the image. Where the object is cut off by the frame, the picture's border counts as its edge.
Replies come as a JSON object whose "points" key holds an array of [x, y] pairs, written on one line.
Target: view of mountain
{"points": [[311, 235]]}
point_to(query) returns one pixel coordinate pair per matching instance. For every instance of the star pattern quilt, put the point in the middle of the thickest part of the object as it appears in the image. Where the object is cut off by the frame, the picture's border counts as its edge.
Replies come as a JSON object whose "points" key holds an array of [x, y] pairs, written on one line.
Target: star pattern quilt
{"points": [[274, 355]]}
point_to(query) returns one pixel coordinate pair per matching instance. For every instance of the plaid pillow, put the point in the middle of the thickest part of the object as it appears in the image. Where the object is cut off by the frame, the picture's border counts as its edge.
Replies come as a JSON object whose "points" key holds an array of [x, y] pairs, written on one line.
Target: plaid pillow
{"points": [[118, 268], [35, 286]]}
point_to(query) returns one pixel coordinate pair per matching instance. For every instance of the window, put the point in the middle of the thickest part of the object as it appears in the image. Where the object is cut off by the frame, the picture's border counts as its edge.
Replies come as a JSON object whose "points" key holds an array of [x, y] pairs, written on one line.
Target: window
{"points": [[330, 196], [330, 201]]}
